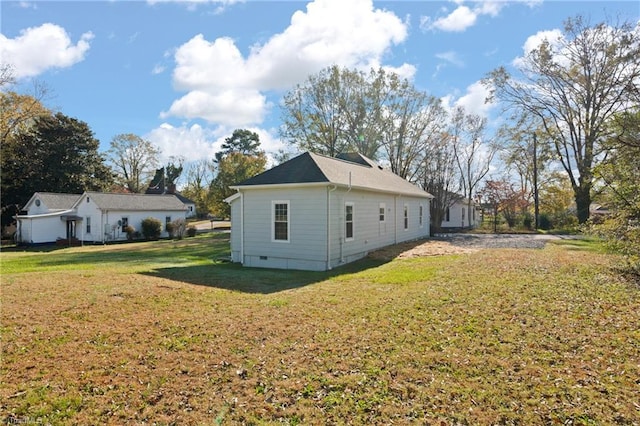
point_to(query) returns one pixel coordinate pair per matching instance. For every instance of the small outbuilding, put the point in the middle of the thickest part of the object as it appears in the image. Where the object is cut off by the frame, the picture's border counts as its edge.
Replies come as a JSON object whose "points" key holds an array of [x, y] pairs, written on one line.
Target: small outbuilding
{"points": [[316, 213]]}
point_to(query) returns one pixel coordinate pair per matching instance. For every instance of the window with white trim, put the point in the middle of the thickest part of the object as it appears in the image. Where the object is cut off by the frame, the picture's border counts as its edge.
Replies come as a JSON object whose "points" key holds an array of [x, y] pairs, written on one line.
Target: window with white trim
{"points": [[348, 221], [406, 217], [420, 214], [382, 210], [88, 224], [447, 216], [280, 212]]}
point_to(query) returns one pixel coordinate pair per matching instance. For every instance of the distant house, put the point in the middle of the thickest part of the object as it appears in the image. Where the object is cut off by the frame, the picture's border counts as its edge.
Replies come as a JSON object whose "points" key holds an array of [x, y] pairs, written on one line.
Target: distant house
{"points": [[461, 214], [158, 187], [92, 216], [316, 213]]}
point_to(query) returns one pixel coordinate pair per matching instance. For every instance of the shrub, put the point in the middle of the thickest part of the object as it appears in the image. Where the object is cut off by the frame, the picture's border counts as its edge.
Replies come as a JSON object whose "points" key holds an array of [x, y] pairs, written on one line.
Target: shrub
{"points": [[191, 231], [151, 228], [544, 222], [130, 231], [527, 221], [178, 227], [171, 229]]}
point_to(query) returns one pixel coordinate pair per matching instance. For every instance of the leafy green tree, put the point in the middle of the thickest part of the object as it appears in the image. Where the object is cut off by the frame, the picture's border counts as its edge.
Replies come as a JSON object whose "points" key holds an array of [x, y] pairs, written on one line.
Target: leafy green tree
{"points": [[620, 177], [240, 159], [133, 160], [243, 141], [574, 85], [55, 153], [199, 176]]}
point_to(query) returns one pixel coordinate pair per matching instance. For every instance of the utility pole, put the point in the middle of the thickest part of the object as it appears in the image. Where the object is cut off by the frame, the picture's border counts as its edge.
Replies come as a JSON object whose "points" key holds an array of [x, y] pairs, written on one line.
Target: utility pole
{"points": [[536, 205]]}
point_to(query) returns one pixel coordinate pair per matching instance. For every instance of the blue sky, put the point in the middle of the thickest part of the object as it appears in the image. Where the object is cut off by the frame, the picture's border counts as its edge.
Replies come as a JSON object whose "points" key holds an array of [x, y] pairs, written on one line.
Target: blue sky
{"points": [[186, 74]]}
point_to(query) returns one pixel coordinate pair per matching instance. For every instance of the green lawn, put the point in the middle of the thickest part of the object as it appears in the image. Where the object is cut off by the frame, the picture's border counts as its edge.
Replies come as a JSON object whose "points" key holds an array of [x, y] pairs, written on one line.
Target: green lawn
{"points": [[165, 333]]}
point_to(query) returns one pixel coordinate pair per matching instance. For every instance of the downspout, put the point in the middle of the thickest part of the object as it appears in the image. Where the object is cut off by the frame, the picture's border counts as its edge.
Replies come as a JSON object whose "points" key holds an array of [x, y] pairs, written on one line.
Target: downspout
{"points": [[343, 233], [241, 227], [395, 219], [329, 224]]}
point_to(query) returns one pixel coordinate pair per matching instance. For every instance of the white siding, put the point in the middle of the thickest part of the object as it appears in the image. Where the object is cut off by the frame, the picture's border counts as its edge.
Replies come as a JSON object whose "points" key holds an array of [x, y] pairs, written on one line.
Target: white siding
{"points": [[456, 219], [306, 248], [44, 229], [309, 227], [104, 224], [236, 230]]}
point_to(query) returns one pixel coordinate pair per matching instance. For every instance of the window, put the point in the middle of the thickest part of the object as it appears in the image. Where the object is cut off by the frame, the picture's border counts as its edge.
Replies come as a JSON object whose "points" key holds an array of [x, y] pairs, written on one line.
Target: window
{"points": [[167, 220], [406, 217], [124, 223], [447, 216], [382, 210], [463, 216], [88, 199], [88, 222], [348, 221], [281, 221], [420, 210]]}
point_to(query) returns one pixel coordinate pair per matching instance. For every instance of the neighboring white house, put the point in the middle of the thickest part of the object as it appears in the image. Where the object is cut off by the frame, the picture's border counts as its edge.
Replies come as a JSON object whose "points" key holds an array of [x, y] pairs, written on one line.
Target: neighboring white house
{"points": [[315, 213], [461, 214], [92, 216]]}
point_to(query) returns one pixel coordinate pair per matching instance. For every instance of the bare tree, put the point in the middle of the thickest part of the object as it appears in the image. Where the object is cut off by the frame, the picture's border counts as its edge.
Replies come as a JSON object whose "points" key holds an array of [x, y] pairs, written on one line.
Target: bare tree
{"points": [[575, 84], [134, 161], [472, 151], [414, 121], [439, 176], [199, 176]]}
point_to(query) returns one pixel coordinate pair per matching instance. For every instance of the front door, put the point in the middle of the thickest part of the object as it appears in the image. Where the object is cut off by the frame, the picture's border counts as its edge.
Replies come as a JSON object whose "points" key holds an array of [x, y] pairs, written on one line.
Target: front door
{"points": [[71, 229]]}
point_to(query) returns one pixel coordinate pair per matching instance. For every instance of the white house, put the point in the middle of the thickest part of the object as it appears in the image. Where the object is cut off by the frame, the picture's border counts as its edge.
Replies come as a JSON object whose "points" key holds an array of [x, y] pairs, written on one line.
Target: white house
{"points": [[461, 214], [92, 216], [315, 213]]}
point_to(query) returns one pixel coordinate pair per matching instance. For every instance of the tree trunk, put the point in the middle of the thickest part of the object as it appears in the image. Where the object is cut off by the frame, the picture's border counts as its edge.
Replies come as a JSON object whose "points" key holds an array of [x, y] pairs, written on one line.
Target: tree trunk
{"points": [[583, 201]]}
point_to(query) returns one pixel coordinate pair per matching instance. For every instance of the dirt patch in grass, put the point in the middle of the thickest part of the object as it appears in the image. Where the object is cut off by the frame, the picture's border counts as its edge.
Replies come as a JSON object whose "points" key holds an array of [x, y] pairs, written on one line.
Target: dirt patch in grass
{"points": [[420, 248], [501, 336]]}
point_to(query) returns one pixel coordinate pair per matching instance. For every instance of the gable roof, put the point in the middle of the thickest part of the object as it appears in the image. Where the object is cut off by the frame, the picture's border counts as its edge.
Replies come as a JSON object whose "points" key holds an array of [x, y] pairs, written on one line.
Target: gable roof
{"points": [[126, 201], [54, 201], [350, 170]]}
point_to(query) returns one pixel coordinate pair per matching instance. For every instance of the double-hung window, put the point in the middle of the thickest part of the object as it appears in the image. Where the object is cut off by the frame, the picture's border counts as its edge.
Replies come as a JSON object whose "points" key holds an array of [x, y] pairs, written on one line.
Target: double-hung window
{"points": [[406, 217], [382, 209], [348, 221], [420, 213], [280, 212]]}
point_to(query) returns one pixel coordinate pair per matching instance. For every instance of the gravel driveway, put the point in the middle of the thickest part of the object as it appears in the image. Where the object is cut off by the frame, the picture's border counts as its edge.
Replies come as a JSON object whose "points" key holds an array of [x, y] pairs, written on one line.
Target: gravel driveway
{"points": [[442, 244], [499, 240]]}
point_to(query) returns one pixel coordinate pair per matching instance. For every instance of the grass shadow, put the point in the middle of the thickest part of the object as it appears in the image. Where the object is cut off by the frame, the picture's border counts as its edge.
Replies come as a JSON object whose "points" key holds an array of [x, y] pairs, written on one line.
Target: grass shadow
{"points": [[235, 277]]}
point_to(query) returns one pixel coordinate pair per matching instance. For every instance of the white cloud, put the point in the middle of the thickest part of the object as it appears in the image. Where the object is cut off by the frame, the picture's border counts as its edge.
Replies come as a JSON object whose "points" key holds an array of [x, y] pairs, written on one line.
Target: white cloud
{"points": [[38, 49], [459, 20], [195, 142], [554, 37], [158, 69], [451, 57], [226, 88], [462, 16], [473, 100], [232, 107]]}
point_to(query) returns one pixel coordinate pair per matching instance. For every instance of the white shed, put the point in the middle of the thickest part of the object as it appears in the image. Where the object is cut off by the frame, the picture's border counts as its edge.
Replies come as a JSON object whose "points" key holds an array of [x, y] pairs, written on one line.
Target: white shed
{"points": [[315, 213]]}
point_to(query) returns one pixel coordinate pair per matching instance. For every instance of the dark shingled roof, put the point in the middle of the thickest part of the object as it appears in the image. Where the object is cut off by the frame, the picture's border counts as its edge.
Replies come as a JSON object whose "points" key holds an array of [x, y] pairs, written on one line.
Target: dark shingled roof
{"points": [[353, 170]]}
